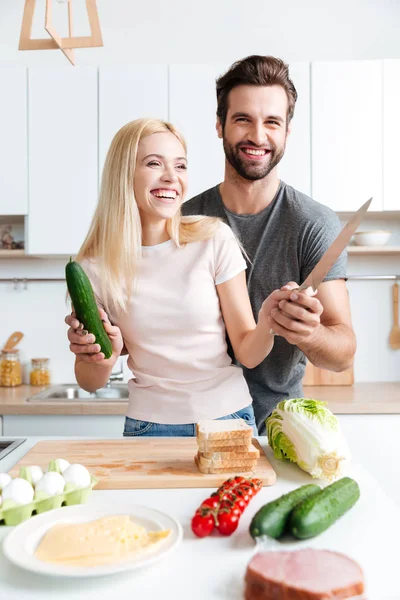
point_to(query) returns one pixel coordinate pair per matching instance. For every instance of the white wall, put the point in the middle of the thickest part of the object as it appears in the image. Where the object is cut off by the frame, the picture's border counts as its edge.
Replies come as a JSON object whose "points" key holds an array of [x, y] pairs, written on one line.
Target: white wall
{"points": [[184, 31]]}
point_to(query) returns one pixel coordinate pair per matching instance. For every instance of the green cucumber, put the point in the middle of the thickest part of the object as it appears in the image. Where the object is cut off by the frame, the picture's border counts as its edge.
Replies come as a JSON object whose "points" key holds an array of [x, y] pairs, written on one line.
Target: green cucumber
{"points": [[318, 512], [272, 518], [85, 307]]}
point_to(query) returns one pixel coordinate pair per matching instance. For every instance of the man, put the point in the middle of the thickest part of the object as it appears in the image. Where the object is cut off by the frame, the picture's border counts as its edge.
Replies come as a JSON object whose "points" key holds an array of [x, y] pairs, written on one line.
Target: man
{"points": [[284, 233]]}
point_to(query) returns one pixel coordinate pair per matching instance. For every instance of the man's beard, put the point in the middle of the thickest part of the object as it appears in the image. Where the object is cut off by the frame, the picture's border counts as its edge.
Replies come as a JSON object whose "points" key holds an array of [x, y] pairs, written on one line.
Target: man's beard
{"points": [[255, 171]]}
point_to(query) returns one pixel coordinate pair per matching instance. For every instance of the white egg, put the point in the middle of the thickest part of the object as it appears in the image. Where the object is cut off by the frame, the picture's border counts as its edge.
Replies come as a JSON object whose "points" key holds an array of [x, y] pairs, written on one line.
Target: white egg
{"points": [[4, 480], [52, 483], [36, 474], [19, 490], [78, 475], [62, 464]]}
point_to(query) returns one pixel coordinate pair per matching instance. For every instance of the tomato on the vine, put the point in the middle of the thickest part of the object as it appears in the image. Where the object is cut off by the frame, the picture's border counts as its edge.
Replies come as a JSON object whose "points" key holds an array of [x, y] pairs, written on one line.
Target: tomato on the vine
{"points": [[227, 522], [211, 502], [228, 505], [203, 523], [247, 489], [242, 493]]}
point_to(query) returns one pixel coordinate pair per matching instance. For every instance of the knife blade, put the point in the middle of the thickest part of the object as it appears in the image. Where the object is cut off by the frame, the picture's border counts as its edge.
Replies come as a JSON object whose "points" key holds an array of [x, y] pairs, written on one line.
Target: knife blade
{"points": [[331, 255]]}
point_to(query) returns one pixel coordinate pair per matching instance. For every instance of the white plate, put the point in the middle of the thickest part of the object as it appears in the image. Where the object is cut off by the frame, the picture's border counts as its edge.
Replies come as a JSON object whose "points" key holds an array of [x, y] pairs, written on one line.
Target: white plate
{"points": [[20, 545]]}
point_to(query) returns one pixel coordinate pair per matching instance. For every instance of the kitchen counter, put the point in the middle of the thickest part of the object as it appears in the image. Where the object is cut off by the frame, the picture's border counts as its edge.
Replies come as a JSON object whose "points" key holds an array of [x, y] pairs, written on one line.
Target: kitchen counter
{"points": [[361, 398], [213, 568]]}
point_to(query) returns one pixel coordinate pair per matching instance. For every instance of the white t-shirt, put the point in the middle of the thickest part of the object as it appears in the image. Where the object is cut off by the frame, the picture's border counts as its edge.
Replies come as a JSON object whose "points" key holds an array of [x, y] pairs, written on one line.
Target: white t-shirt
{"points": [[175, 334]]}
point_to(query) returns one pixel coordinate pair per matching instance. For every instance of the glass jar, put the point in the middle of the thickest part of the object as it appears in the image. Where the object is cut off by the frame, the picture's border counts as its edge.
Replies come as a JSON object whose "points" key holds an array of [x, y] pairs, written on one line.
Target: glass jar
{"points": [[40, 372], [10, 369]]}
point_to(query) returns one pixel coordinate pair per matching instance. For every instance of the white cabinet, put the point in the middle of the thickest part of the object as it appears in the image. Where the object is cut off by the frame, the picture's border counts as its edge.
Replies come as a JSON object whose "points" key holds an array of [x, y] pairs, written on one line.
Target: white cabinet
{"points": [[346, 133], [61, 425], [63, 158], [126, 93], [391, 134], [295, 167], [13, 141], [192, 109]]}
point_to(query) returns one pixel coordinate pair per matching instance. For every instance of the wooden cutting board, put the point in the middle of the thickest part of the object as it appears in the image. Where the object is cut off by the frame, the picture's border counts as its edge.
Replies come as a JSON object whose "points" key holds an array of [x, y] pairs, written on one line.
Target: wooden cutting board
{"points": [[138, 463], [316, 376]]}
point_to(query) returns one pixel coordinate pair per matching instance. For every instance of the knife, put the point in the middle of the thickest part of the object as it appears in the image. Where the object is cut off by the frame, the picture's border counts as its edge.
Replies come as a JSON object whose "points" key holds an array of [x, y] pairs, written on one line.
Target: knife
{"points": [[331, 255]]}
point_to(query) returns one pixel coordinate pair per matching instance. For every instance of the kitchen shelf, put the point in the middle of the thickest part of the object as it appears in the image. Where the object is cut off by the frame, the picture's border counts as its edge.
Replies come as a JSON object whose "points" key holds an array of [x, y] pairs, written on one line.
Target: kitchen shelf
{"points": [[13, 254], [373, 250]]}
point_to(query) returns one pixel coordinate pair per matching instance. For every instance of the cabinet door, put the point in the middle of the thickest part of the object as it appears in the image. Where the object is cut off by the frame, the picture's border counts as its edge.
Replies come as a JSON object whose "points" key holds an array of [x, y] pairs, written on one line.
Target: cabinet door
{"points": [[391, 134], [346, 133], [295, 167], [63, 163], [13, 141], [126, 93], [193, 107]]}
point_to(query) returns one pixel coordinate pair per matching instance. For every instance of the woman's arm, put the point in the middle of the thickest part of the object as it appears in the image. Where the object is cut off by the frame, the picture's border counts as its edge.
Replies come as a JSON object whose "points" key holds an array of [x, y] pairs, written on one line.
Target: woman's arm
{"points": [[251, 342], [92, 370]]}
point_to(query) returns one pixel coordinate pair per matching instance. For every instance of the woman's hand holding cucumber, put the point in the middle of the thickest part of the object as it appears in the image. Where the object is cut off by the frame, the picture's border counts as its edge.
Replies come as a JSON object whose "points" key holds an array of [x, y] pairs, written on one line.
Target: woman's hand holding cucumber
{"points": [[83, 343]]}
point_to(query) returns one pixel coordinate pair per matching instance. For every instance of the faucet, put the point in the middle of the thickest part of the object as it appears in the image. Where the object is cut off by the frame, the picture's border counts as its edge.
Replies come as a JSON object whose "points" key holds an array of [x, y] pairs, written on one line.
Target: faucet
{"points": [[118, 376]]}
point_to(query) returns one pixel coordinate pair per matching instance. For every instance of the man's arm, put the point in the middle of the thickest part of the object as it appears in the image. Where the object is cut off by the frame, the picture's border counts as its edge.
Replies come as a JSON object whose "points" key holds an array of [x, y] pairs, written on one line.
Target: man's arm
{"points": [[319, 325]]}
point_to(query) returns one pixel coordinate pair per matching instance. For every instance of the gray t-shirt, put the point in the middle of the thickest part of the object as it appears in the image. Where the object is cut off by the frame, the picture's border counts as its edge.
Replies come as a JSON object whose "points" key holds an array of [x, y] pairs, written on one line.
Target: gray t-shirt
{"points": [[283, 242]]}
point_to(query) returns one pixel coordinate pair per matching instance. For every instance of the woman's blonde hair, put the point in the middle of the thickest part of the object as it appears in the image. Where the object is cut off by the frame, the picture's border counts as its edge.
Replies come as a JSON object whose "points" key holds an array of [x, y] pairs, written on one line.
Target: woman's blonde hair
{"points": [[114, 239]]}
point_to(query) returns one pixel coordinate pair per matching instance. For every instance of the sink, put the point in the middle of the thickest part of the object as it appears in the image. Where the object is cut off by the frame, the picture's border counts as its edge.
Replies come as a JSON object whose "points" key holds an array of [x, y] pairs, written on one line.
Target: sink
{"points": [[73, 393], [7, 446]]}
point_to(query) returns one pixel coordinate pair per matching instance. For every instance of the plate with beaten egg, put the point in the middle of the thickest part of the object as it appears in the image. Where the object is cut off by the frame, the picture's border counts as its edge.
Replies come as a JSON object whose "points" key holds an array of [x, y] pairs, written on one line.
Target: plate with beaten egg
{"points": [[89, 541]]}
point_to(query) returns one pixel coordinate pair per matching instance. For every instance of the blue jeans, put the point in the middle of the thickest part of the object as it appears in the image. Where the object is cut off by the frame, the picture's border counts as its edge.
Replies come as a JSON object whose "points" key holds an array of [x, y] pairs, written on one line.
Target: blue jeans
{"points": [[134, 427]]}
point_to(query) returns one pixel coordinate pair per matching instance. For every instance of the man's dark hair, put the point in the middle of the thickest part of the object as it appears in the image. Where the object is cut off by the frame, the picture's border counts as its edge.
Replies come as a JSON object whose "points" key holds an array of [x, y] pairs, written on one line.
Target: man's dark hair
{"points": [[255, 70]]}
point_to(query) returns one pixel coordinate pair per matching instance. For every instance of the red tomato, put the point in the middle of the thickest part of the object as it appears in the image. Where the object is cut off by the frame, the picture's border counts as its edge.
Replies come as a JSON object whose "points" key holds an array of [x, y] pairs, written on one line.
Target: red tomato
{"points": [[211, 502], [227, 505], [238, 479], [257, 483], [242, 493], [240, 503], [227, 523], [228, 495], [247, 489], [203, 524], [227, 485]]}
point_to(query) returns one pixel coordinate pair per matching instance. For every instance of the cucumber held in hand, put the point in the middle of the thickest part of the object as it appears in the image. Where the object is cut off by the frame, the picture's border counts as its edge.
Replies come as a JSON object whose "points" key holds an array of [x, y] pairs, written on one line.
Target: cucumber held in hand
{"points": [[318, 512], [85, 307], [272, 518]]}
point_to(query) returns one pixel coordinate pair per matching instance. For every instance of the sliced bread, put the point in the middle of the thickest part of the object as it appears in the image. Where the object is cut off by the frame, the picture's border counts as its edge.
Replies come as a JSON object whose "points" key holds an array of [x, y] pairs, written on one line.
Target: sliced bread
{"points": [[216, 470], [224, 445], [223, 462], [227, 429], [250, 453]]}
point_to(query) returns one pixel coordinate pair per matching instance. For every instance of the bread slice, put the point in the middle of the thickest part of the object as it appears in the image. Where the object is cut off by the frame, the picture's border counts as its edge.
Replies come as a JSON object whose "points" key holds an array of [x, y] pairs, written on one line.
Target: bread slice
{"points": [[248, 454], [232, 463], [224, 445], [227, 429], [218, 470]]}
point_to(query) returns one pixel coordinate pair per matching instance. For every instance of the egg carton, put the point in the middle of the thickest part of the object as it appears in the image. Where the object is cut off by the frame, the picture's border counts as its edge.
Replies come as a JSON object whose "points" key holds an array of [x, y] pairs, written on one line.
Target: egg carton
{"points": [[13, 514]]}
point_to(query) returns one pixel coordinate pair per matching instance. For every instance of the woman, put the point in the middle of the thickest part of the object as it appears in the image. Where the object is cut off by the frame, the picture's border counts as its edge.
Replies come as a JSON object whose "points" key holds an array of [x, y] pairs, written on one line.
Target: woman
{"points": [[166, 286]]}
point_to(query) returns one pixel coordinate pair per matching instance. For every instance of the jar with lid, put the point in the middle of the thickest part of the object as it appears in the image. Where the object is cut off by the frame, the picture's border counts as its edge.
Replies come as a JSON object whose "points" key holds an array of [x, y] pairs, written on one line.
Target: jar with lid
{"points": [[40, 371], [10, 368]]}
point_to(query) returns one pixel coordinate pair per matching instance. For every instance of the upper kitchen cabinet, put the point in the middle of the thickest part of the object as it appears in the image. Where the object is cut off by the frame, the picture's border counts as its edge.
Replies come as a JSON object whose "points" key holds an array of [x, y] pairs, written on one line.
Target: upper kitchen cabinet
{"points": [[13, 141], [129, 92], [391, 134], [192, 108], [295, 167], [346, 134], [62, 158]]}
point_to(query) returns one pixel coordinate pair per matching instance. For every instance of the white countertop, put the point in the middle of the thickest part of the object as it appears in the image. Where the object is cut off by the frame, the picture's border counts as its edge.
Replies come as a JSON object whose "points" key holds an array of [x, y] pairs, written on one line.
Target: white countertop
{"points": [[213, 568]]}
